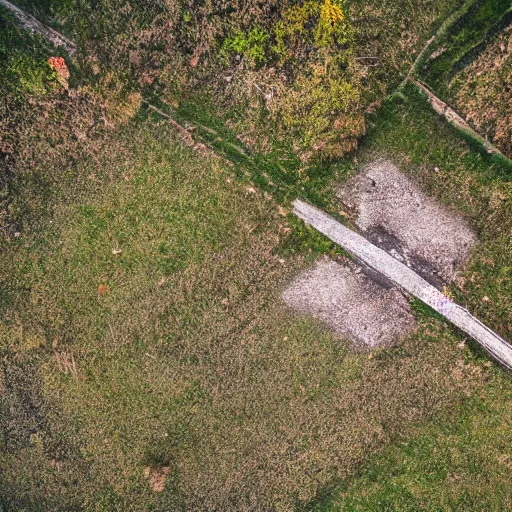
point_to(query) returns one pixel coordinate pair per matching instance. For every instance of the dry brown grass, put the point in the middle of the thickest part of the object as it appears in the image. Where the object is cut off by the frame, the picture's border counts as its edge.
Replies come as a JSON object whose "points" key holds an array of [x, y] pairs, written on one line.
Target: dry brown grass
{"points": [[483, 95], [51, 136]]}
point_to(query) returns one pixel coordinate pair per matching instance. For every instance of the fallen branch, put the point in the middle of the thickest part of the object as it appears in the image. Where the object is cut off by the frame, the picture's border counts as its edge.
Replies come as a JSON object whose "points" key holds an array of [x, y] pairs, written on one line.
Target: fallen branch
{"points": [[187, 139], [30, 23], [405, 278]]}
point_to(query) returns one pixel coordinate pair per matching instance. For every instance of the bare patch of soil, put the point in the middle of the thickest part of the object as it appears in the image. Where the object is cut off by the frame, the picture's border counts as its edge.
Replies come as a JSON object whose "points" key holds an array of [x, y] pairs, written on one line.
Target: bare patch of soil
{"points": [[397, 216], [351, 303], [156, 477]]}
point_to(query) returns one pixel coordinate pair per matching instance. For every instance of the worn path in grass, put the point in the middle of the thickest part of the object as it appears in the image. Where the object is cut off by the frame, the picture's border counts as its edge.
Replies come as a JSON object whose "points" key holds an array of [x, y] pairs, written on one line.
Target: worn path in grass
{"points": [[457, 43]]}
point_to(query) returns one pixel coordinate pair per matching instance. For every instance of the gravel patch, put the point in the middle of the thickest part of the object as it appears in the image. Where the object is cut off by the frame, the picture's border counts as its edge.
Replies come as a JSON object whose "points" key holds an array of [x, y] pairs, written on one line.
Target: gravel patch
{"points": [[394, 214], [351, 303]]}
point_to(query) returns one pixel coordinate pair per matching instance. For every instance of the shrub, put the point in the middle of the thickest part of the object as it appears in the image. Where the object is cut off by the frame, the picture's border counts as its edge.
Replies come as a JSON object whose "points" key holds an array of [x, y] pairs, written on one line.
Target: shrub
{"points": [[253, 45], [322, 108], [310, 69], [321, 23]]}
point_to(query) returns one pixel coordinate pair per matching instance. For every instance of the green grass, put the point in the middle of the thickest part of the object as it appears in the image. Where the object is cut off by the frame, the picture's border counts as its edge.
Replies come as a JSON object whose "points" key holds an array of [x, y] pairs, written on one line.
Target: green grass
{"points": [[23, 60], [463, 40], [464, 464], [278, 171]]}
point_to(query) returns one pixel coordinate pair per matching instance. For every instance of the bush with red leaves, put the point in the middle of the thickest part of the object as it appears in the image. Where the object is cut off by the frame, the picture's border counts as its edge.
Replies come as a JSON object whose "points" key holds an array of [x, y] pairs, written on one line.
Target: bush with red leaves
{"points": [[58, 64]]}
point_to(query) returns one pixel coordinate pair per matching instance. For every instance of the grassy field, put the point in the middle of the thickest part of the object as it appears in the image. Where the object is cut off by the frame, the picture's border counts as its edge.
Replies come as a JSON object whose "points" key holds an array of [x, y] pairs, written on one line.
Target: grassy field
{"points": [[177, 352], [464, 464], [149, 364]]}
